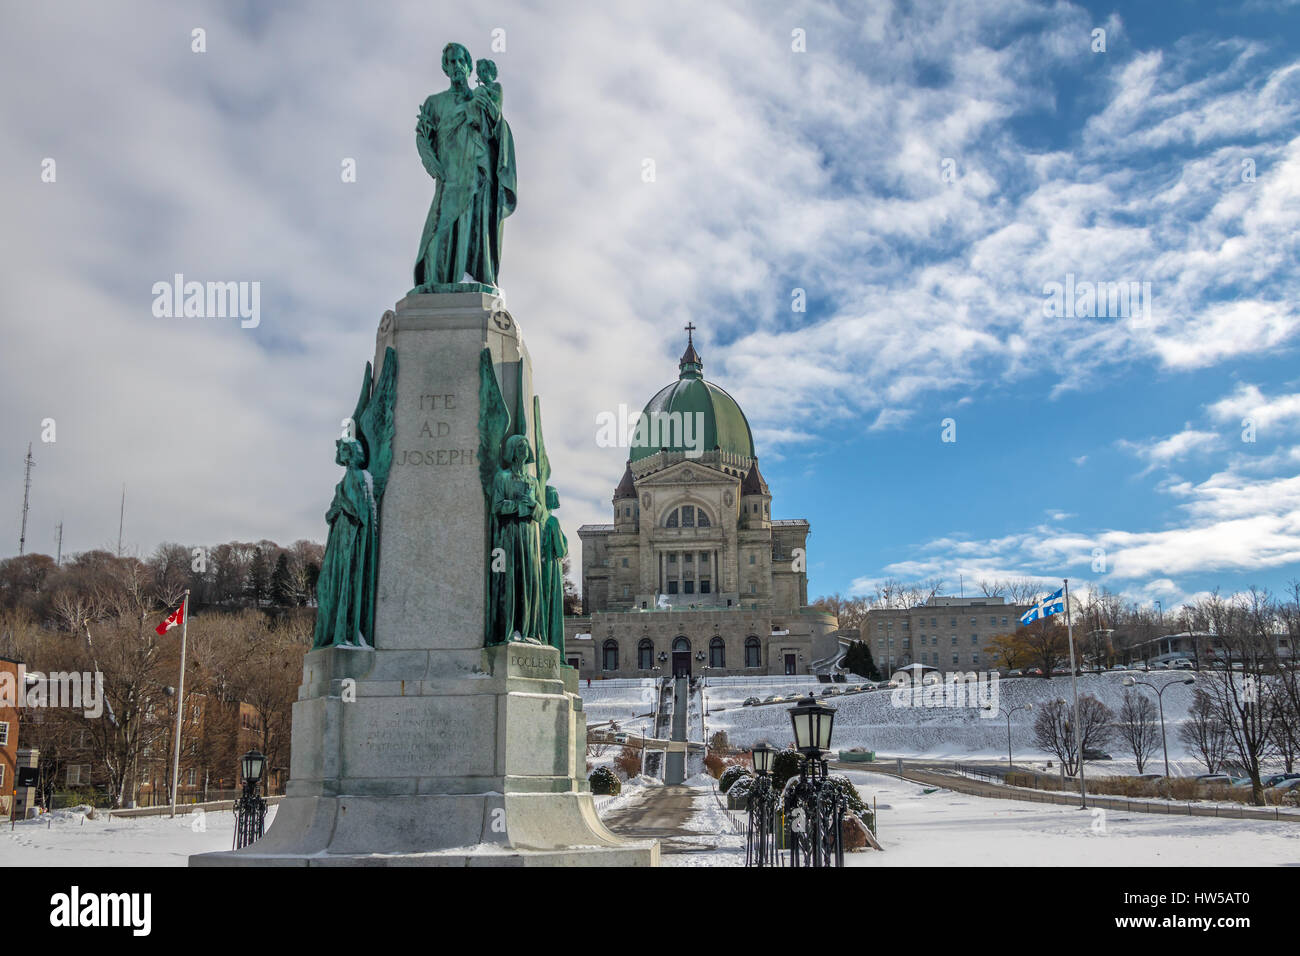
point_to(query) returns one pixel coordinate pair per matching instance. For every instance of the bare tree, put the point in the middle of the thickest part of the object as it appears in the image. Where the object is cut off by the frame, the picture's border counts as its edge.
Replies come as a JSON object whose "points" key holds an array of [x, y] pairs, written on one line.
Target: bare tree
{"points": [[1204, 732], [1244, 699], [1023, 590], [1054, 730], [1137, 727], [1284, 662]]}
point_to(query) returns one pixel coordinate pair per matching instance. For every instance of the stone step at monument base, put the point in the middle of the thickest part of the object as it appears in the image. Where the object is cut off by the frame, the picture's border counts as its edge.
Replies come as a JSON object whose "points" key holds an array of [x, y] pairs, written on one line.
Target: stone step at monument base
{"points": [[631, 854], [534, 829]]}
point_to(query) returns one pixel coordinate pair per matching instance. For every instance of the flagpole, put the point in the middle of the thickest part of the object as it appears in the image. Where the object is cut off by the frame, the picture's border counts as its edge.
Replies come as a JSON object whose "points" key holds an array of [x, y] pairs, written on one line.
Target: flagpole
{"points": [[1074, 684], [180, 702]]}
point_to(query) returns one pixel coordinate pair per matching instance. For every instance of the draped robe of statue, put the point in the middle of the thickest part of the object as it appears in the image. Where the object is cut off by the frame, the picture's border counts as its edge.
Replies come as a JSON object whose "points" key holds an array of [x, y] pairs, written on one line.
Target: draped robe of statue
{"points": [[467, 146], [515, 561], [345, 611], [555, 548]]}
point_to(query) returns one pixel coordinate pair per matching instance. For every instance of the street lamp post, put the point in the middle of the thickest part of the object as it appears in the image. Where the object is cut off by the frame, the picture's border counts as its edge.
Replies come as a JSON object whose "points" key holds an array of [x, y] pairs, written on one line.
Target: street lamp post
{"points": [[1160, 700], [1007, 714], [250, 810], [761, 849], [817, 820]]}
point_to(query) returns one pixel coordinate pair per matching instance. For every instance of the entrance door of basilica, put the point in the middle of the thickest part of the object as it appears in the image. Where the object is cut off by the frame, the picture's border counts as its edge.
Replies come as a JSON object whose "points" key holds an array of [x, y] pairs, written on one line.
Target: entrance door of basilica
{"points": [[681, 657], [681, 663]]}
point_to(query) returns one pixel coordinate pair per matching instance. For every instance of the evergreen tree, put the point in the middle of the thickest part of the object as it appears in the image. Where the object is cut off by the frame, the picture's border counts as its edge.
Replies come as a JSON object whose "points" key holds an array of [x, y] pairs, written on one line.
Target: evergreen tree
{"points": [[858, 660], [281, 582]]}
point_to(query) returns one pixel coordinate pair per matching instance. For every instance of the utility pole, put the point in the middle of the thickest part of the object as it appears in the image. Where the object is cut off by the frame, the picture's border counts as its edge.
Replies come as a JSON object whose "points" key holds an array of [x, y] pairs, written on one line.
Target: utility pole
{"points": [[30, 463], [121, 518], [58, 561]]}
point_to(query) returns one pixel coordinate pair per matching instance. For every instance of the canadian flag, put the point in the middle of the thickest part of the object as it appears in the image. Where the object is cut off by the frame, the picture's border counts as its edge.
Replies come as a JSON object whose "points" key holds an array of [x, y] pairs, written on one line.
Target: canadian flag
{"points": [[176, 617]]}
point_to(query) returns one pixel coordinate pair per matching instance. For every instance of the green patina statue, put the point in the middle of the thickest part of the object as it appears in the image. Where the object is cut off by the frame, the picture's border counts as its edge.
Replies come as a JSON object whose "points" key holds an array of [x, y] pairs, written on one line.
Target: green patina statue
{"points": [[345, 590], [515, 573], [555, 548], [466, 145]]}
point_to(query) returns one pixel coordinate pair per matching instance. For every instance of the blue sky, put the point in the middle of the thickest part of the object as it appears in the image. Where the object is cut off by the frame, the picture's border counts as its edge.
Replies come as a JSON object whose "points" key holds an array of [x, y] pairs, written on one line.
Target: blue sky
{"points": [[776, 169]]}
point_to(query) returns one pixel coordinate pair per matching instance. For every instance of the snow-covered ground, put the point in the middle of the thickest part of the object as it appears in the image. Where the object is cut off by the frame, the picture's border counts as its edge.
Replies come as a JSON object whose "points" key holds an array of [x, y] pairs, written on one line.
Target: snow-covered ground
{"points": [[875, 722], [951, 829], [943, 828], [69, 838], [618, 700]]}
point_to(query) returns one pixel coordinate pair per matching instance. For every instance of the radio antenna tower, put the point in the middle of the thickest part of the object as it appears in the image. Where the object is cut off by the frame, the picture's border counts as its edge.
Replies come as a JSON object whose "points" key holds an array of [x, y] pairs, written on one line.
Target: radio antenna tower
{"points": [[27, 494], [121, 519]]}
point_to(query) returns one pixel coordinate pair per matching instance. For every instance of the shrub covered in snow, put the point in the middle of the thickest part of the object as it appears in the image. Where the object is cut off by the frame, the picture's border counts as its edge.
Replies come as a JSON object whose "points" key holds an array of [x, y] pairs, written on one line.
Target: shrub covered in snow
{"points": [[853, 800], [738, 792], [730, 776], [785, 765], [605, 781]]}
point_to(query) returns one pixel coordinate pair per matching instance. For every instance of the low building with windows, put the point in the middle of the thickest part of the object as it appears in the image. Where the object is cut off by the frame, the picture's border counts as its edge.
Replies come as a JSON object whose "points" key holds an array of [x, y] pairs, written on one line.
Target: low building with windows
{"points": [[12, 690], [694, 571], [946, 633]]}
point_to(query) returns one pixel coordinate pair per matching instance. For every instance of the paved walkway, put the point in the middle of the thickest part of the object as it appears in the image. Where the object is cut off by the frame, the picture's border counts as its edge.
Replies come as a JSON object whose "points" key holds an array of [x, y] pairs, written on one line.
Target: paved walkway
{"points": [[663, 813]]}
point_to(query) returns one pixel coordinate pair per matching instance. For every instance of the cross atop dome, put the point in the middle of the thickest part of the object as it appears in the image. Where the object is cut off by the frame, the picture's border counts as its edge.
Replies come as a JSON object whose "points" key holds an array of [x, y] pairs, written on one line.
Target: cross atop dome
{"points": [[691, 363]]}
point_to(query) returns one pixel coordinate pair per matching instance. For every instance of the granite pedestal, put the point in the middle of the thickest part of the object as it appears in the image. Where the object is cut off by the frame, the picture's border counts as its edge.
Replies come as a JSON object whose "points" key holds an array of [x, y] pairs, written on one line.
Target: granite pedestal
{"points": [[431, 749]]}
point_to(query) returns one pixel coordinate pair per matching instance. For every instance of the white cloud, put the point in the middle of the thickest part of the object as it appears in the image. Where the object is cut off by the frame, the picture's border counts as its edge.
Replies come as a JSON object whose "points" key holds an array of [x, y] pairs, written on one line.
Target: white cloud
{"points": [[1173, 448], [1248, 402]]}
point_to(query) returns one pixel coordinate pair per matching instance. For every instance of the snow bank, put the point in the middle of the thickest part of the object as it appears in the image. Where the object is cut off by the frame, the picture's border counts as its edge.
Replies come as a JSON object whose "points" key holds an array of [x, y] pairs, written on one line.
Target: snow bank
{"points": [[872, 721]]}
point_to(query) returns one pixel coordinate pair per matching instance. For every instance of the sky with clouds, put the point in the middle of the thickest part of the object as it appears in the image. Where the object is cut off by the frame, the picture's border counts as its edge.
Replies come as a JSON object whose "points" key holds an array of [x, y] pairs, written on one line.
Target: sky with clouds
{"points": [[918, 176]]}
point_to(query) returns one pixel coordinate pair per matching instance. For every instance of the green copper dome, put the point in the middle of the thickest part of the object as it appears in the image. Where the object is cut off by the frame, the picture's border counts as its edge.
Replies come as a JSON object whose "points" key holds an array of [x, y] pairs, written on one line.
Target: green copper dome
{"points": [[724, 424]]}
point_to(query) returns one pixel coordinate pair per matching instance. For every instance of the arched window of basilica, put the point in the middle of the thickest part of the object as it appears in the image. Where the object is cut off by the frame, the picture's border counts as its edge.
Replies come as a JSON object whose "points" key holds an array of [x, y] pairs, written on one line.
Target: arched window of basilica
{"points": [[688, 516], [681, 644], [610, 657], [753, 652], [717, 653], [645, 654]]}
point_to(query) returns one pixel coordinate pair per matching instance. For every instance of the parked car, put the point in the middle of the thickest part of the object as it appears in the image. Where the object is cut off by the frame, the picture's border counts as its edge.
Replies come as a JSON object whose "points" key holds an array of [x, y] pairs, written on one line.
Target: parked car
{"points": [[1119, 667], [1214, 779], [1160, 666], [1017, 672], [1183, 665], [1272, 780], [832, 692], [750, 702], [1150, 776], [1095, 755], [1290, 786], [1034, 672], [620, 738]]}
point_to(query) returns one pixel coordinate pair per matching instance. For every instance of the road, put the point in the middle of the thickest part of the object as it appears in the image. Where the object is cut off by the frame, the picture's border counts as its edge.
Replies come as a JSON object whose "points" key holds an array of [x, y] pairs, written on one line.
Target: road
{"points": [[945, 776]]}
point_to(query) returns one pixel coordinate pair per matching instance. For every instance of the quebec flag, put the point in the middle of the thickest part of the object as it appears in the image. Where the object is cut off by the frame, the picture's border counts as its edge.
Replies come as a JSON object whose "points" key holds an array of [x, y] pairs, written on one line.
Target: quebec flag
{"points": [[1045, 607]]}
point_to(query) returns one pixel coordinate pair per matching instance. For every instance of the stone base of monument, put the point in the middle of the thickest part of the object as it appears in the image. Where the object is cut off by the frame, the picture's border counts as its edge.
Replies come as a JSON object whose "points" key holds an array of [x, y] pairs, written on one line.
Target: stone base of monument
{"points": [[369, 784], [431, 749]]}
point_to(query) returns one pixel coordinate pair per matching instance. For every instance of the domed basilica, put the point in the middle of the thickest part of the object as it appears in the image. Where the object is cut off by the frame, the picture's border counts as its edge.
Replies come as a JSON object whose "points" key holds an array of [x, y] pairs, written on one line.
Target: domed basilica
{"points": [[694, 574]]}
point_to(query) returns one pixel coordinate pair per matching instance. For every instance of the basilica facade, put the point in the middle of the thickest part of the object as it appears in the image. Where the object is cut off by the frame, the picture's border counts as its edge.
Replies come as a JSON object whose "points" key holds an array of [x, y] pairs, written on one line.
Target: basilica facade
{"points": [[695, 575]]}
